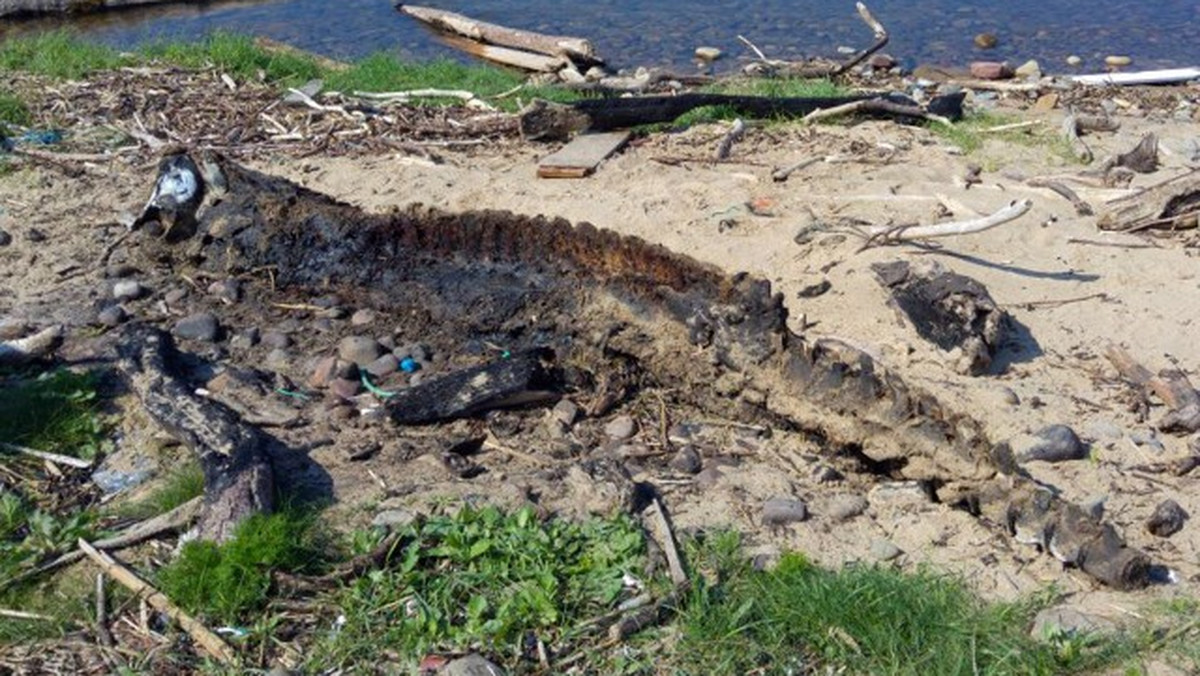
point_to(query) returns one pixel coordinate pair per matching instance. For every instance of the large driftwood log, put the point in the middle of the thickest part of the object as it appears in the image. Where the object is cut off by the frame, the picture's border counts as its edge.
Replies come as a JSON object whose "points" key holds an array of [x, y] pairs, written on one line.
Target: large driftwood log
{"points": [[521, 379], [606, 304], [238, 479], [481, 31], [544, 120], [1171, 205], [31, 348]]}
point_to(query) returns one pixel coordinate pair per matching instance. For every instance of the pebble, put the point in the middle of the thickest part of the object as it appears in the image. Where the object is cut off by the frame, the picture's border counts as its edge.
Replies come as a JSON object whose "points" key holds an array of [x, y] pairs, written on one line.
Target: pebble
{"points": [[1055, 443], [882, 62], [898, 494], [384, 366], [128, 289], [846, 507], [781, 511], [620, 428], [1074, 60], [1167, 519], [471, 665], [395, 518], [246, 339], [1117, 61], [884, 550], [363, 451], [344, 388], [202, 326], [361, 350], [34, 235], [5, 238], [686, 460], [566, 412], [175, 296], [824, 474], [990, 70], [112, 315], [323, 372], [276, 339], [362, 317], [228, 290], [1029, 70], [986, 40], [118, 270], [708, 53], [279, 359]]}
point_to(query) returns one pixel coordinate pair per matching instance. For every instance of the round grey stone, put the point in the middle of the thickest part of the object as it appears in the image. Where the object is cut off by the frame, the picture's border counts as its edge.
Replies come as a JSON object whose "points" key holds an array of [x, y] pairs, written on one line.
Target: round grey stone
{"points": [[687, 460], [394, 518], [566, 412], [884, 550], [384, 366], [5, 238], [276, 339], [245, 339], [128, 289], [621, 427], [1055, 443], [202, 326], [112, 315], [781, 511], [847, 506], [361, 350], [362, 317]]}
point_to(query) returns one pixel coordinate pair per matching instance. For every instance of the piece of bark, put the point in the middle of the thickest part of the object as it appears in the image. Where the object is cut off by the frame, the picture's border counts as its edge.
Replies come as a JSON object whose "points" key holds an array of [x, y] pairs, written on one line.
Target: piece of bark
{"points": [[203, 636], [950, 310], [238, 479], [482, 31], [582, 155], [1171, 205], [32, 348], [1170, 385], [519, 380], [1144, 157]]}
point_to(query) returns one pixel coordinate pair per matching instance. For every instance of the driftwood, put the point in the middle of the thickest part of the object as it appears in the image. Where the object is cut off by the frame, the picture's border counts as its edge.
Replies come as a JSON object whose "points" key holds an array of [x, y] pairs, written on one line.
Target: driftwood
{"points": [[506, 56], [949, 310], [819, 69], [481, 31], [1147, 77], [32, 348], [196, 629], [475, 271], [1143, 158], [1170, 205], [521, 379], [1082, 208], [49, 457], [1170, 385], [238, 479], [1013, 211], [544, 120]]}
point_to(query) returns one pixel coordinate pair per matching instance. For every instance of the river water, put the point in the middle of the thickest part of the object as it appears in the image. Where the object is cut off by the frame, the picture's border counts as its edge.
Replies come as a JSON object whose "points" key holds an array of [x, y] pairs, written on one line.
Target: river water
{"points": [[1155, 33]]}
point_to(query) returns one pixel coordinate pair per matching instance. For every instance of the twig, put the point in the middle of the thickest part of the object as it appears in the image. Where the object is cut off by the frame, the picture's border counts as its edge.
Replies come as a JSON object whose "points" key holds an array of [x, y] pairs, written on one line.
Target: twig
{"points": [[732, 136], [674, 562], [762, 57], [1013, 211], [173, 520], [1117, 245], [881, 39], [873, 106], [1070, 130], [1082, 208], [490, 443], [22, 615], [780, 175], [1010, 127], [44, 455], [102, 631], [1058, 303], [208, 640]]}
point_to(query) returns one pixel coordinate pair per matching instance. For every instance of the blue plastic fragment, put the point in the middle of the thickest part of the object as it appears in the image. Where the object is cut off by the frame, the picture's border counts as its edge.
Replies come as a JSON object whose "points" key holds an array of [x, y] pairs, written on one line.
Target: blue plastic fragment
{"points": [[410, 365], [44, 137]]}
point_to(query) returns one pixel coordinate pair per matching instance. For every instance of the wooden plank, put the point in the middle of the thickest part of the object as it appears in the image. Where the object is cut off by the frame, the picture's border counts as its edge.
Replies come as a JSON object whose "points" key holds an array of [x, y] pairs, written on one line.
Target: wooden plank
{"points": [[581, 156]]}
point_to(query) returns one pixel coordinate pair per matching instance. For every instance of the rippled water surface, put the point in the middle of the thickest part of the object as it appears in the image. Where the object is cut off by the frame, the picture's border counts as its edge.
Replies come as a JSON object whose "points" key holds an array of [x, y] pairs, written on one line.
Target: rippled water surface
{"points": [[1156, 33]]}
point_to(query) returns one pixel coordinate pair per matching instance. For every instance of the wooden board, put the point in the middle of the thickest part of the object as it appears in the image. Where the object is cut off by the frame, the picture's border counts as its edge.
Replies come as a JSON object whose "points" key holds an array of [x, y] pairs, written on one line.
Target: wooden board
{"points": [[581, 156]]}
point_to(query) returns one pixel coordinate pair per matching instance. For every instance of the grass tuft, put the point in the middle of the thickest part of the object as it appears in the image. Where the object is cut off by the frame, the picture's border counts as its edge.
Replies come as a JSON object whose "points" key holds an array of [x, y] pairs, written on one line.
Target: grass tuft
{"points": [[231, 581], [57, 54], [13, 111], [177, 487], [798, 617], [238, 56], [57, 412], [485, 580]]}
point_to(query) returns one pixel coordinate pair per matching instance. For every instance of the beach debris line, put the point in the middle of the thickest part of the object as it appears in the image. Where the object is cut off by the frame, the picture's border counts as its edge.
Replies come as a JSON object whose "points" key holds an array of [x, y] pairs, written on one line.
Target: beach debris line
{"points": [[544, 120], [818, 68]]}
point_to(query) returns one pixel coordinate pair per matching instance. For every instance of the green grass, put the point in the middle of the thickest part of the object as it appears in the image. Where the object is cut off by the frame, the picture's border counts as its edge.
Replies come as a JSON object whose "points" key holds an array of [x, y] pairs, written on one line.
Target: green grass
{"points": [[236, 55], [970, 135], [865, 620], [57, 54], [782, 87], [13, 110], [57, 412], [231, 582], [177, 487], [484, 580]]}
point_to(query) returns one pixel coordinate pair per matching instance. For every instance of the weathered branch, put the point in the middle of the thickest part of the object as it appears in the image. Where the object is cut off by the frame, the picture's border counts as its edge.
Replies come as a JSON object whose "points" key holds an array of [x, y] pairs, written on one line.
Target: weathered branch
{"points": [[550, 45], [1013, 211], [24, 350]]}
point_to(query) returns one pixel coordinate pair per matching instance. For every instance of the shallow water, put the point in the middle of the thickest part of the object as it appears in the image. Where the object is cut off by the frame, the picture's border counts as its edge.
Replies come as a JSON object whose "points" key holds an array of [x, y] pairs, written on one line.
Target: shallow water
{"points": [[1159, 33]]}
